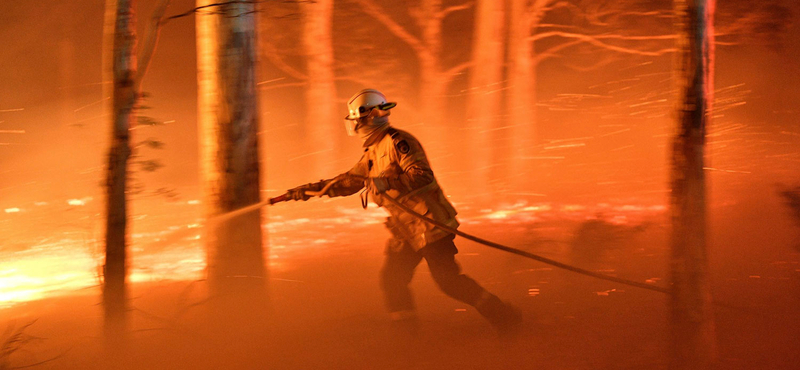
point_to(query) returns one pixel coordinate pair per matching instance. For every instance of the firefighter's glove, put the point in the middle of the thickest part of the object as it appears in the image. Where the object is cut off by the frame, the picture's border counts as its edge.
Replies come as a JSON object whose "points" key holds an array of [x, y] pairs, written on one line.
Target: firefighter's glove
{"points": [[377, 184], [299, 193]]}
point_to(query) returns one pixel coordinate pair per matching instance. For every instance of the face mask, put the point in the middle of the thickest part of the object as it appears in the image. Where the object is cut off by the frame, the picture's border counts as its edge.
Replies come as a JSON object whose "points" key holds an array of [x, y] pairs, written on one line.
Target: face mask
{"points": [[377, 123], [371, 127]]}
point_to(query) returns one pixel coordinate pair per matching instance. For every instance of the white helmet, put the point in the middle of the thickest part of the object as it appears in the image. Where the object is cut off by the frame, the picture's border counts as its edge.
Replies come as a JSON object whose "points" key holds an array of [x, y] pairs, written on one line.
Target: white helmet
{"points": [[361, 104]]}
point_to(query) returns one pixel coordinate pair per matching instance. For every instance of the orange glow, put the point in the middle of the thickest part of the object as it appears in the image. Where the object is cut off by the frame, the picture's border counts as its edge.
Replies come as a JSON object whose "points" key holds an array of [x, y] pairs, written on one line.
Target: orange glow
{"points": [[564, 153]]}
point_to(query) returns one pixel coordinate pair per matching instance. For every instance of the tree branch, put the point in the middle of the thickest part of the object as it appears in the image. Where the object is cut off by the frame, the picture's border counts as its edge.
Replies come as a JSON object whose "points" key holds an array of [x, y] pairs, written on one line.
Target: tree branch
{"points": [[373, 10], [554, 25], [571, 35], [654, 13], [195, 10], [456, 70], [280, 86], [595, 40], [272, 54], [452, 9], [561, 4], [150, 42], [552, 52]]}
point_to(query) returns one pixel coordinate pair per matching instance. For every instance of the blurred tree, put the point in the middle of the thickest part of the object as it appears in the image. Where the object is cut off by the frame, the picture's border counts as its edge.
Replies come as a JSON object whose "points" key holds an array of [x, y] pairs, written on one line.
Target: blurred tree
{"points": [[521, 94], [791, 197], [486, 87], [300, 47], [598, 32], [764, 22], [304, 52], [125, 73], [693, 338], [321, 90], [428, 16], [228, 122], [541, 30], [583, 35]]}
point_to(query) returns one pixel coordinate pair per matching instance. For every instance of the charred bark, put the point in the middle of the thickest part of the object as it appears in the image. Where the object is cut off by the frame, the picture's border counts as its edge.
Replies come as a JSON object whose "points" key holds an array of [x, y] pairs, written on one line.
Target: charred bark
{"points": [[121, 40], [228, 122], [691, 311]]}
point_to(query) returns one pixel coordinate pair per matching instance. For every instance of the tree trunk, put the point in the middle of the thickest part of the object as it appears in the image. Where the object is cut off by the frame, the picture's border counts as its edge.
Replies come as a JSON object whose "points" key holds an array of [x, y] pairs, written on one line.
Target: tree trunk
{"points": [[432, 84], [691, 310], [121, 37], [486, 78], [432, 91], [521, 101], [321, 129], [228, 122]]}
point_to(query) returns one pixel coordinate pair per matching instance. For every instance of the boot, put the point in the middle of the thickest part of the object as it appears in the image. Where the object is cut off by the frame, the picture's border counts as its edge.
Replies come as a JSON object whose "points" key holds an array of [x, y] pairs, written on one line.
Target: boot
{"points": [[506, 319]]}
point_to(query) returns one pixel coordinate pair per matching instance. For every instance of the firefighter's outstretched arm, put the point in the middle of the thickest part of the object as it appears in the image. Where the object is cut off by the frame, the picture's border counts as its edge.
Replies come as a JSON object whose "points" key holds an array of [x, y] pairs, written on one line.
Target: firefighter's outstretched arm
{"points": [[345, 184], [302, 192]]}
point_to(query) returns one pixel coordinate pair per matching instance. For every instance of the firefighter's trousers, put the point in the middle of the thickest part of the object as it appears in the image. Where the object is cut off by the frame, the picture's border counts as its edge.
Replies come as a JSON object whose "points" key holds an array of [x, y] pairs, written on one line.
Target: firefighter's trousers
{"points": [[402, 260]]}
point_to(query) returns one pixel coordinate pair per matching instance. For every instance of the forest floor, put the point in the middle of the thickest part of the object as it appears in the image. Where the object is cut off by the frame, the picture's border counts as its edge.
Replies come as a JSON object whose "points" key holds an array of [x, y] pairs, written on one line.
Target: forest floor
{"points": [[326, 310]]}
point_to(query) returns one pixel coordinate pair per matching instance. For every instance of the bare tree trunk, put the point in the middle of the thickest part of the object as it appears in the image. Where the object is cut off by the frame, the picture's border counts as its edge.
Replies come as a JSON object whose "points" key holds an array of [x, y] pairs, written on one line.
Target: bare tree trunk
{"points": [[486, 78], [432, 91], [521, 92], [121, 23], [693, 344], [321, 91], [228, 121], [433, 85], [434, 80]]}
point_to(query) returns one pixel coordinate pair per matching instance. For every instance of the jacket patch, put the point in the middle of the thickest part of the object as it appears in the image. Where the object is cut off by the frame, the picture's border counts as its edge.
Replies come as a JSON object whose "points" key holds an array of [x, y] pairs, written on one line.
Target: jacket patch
{"points": [[402, 147]]}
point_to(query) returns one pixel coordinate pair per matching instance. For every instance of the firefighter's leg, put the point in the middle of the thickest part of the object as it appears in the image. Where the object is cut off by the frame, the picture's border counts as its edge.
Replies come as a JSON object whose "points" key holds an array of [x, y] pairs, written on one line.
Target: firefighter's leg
{"points": [[396, 274], [440, 256]]}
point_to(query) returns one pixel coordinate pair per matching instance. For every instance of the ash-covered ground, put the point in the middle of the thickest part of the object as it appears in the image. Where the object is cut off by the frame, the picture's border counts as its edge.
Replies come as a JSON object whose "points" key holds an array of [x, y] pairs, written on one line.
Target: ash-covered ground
{"points": [[326, 308]]}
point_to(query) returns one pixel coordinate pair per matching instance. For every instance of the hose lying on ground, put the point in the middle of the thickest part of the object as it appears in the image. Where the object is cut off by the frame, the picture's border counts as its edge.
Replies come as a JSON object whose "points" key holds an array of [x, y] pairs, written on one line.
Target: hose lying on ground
{"points": [[545, 260], [525, 254], [476, 239]]}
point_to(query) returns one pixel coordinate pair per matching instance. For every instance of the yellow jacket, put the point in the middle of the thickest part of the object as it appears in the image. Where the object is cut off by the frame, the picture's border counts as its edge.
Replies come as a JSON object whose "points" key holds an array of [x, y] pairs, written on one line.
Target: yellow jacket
{"points": [[399, 158]]}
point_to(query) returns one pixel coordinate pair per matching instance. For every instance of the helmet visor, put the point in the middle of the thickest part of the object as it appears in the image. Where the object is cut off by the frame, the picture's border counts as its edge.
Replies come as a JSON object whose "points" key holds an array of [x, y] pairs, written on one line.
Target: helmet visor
{"points": [[350, 125]]}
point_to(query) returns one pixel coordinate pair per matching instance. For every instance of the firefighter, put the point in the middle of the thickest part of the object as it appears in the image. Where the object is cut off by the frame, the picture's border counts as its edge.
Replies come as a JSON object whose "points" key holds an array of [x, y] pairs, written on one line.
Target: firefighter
{"points": [[395, 164]]}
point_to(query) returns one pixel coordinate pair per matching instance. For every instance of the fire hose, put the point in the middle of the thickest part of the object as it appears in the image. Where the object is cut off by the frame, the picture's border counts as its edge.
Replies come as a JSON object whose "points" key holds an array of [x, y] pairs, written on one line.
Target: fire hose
{"points": [[545, 260], [485, 242], [525, 254], [552, 262]]}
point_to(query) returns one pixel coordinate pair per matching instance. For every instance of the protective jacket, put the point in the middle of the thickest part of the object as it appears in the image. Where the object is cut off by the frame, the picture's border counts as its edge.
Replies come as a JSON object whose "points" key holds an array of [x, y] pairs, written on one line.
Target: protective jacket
{"points": [[399, 159]]}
